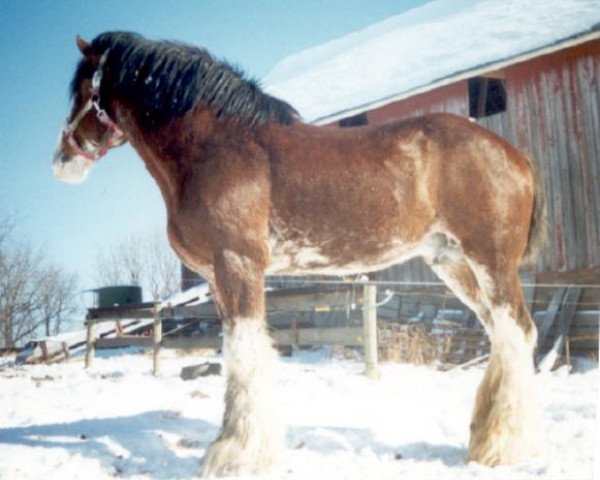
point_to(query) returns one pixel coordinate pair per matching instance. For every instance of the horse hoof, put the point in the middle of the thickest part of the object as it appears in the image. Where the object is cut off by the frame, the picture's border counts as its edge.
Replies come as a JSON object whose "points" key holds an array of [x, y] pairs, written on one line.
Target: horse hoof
{"points": [[228, 457], [503, 449]]}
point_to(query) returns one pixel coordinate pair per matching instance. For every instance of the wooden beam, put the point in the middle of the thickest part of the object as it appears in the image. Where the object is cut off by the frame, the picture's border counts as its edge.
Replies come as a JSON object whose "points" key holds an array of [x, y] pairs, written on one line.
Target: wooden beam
{"points": [[297, 300], [119, 313], [124, 341], [190, 343], [370, 331], [90, 343], [497, 74], [156, 340], [564, 323], [547, 320], [304, 337]]}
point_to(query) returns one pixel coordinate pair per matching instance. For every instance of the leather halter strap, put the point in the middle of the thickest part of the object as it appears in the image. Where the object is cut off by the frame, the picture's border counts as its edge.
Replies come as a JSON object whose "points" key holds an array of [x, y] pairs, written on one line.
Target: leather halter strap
{"points": [[114, 134]]}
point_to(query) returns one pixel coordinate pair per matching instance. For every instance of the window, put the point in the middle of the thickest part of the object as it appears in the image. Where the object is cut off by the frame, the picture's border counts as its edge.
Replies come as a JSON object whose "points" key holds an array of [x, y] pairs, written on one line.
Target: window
{"points": [[487, 96], [355, 121]]}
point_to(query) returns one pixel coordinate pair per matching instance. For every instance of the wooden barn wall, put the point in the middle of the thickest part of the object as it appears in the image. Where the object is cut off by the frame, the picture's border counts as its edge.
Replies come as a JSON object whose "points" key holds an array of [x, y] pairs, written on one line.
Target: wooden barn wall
{"points": [[453, 99], [553, 109]]}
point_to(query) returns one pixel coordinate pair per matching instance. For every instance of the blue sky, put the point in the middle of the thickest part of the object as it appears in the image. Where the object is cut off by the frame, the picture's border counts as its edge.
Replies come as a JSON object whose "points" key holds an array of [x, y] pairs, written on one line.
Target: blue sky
{"points": [[71, 224]]}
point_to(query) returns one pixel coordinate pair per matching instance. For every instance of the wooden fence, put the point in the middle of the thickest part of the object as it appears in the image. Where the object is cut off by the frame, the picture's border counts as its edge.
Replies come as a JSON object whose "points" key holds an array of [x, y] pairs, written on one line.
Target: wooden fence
{"points": [[442, 341], [299, 300]]}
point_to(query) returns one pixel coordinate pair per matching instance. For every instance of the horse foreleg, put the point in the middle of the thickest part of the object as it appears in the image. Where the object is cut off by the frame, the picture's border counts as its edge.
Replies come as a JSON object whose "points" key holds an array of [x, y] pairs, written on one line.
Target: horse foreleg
{"points": [[252, 437]]}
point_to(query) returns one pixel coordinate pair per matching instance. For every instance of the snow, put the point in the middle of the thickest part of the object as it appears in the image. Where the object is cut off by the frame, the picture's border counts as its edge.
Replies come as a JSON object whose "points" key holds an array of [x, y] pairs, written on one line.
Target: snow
{"points": [[192, 296], [421, 46], [117, 420]]}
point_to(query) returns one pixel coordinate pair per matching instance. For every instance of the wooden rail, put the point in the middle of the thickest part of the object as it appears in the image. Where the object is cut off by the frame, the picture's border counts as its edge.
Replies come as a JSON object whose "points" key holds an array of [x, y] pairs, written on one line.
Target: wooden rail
{"points": [[461, 345], [297, 300]]}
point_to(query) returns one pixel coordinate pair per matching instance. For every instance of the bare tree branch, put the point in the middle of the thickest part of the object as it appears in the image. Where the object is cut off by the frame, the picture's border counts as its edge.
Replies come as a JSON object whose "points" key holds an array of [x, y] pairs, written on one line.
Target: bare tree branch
{"points": [[34, 298], [145, 259]]}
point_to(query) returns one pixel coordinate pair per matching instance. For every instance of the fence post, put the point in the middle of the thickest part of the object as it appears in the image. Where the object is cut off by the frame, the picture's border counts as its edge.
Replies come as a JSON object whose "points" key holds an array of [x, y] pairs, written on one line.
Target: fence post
{"points": [[157, 339], [370, 330], [90, 343]]}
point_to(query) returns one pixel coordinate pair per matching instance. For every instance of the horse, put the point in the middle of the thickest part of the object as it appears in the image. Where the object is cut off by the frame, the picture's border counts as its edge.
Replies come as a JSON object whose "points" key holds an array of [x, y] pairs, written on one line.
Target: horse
{"points": [[250, 189]]}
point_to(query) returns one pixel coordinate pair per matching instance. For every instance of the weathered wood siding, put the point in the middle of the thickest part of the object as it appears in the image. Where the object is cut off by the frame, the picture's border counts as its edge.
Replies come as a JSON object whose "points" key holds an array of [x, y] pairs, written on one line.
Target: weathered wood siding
{"points": [[452, 98], [553, 106]]}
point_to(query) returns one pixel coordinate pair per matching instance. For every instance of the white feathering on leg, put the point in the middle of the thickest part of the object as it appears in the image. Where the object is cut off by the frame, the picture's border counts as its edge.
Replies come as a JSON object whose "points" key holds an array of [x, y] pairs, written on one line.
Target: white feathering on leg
{"points": [[505, 422], [252, 437]]}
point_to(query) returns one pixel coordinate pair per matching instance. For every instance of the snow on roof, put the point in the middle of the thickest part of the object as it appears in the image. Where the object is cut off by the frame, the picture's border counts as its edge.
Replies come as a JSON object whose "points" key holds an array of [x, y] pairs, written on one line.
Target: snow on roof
{"points": [[420, 47]]}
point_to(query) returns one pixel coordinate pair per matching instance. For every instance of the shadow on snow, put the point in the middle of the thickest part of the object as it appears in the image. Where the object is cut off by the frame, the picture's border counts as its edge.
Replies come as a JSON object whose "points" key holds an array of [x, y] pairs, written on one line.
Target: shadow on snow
{"points": [[160, 443]]}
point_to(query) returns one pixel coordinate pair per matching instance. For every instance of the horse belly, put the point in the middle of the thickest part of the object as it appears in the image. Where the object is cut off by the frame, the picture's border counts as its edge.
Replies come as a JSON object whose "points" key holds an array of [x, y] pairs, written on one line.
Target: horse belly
{"points": [[289, 257]]}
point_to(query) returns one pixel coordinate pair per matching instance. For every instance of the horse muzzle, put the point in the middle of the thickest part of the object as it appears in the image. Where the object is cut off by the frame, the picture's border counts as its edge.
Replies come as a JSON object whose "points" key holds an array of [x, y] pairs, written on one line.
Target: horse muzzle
{"points": [[70, 169]]}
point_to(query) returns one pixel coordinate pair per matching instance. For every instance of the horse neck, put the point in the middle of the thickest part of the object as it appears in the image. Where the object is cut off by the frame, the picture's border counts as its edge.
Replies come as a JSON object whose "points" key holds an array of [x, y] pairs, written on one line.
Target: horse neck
{"points": [[152, 147]]}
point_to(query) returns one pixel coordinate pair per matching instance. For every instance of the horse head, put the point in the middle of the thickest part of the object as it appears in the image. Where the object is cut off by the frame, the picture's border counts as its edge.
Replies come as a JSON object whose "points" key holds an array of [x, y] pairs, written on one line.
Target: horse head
{"points": [[89, 132]]}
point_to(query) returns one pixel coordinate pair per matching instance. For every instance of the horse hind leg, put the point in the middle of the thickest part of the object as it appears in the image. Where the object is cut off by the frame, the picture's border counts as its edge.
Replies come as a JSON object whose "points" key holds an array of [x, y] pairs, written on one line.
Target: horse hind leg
{"points": [[503, 427]]}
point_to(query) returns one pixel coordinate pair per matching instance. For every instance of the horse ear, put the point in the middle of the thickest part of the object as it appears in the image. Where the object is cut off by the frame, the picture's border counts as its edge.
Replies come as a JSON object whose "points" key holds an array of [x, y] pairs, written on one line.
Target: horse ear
{"points": [[82, 44]]}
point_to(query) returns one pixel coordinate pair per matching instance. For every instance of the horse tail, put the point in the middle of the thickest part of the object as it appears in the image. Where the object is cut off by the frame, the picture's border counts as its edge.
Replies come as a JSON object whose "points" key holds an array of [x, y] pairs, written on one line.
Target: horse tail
{"points": [[538, 228]]}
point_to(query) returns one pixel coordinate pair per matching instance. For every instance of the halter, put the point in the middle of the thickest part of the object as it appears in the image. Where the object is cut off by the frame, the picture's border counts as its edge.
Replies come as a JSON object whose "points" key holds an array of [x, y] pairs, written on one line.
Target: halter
{"points": [[114, 133]]}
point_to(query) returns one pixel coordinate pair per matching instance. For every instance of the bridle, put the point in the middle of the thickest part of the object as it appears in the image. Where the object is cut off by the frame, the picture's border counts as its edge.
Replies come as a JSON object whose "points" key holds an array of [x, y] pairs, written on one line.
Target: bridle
{"points": [[114, 134]]}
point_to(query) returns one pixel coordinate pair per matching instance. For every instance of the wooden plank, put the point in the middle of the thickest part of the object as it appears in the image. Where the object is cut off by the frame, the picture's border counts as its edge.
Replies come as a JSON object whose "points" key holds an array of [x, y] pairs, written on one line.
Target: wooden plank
{"points": [[585, 347], [349, 336], [547, 320], [297, 300], [122, 313], [586, 319], [370, 331], [564, 321], [65, 349], [303, 300], [45, 351], [124, 341], [204, 310], [572, 333], [90, 343], [212, 342], [156, 341]]}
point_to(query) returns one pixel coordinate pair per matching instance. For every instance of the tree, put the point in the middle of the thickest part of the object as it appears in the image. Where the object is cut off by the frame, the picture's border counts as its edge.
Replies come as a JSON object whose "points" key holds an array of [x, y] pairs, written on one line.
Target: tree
{"points": [[35, 297], [144, 259]]}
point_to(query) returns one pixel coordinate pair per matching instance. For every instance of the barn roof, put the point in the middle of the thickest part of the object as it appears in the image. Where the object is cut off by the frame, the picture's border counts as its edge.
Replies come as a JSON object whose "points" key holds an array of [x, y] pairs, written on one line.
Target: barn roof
{"points": [[424, 48]]}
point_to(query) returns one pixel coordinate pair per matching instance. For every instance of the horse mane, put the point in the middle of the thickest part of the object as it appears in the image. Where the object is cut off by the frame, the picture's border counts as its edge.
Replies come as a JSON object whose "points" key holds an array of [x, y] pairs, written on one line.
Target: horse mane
{"points": [[167, 79]]}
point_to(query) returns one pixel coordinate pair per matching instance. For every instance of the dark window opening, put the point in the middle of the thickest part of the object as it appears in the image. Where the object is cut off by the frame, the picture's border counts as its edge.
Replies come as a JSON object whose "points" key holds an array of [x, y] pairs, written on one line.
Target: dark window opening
{"points": [[487, 96], [355, 121]]}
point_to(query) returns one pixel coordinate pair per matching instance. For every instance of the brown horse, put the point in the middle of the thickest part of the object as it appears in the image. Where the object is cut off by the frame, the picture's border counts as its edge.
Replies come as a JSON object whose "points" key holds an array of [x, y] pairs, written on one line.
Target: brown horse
{"points": [[251, 190]]}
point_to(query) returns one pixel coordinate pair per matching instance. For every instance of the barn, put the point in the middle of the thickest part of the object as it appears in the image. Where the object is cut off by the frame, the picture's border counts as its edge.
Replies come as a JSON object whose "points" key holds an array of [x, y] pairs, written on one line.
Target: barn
{"points": [[530, 71]]}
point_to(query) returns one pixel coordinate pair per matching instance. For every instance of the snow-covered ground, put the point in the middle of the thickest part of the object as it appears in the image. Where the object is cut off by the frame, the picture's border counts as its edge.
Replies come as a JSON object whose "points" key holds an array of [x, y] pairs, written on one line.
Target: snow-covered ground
{"points": [[117, 420]]}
